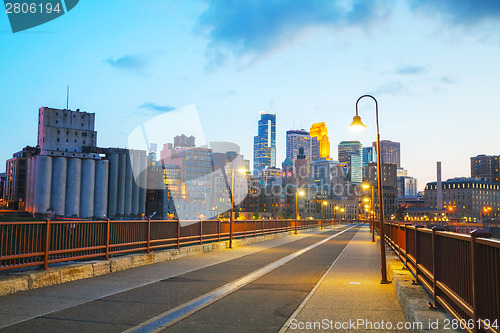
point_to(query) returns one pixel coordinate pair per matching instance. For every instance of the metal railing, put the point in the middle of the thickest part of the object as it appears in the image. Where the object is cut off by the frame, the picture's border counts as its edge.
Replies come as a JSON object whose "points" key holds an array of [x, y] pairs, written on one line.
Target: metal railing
{"points": [[42, 243], [461, 272]]}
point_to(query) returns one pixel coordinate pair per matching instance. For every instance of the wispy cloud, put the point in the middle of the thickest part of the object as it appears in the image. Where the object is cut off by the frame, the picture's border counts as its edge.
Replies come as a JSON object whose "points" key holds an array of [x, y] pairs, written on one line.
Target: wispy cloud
{"points": [[133, 63], [448, 80], [255, 28], [462, 12], [156, 107], [389, 88], [411, 70]]}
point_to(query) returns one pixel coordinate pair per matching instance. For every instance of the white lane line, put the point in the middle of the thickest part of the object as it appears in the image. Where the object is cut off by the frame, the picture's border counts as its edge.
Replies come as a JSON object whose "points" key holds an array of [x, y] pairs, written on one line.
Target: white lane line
{"points": [[313, 291], [175, 315]]}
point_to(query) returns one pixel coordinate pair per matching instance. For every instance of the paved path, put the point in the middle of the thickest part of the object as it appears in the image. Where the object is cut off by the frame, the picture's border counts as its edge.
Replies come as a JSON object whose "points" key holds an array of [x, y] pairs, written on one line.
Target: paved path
{"points": [[350, 297], [307, 277]]}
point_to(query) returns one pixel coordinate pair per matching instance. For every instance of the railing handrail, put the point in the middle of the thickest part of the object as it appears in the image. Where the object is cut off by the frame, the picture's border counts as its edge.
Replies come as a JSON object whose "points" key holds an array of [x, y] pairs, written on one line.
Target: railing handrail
{"points": [[41, 243], [461, 282]]}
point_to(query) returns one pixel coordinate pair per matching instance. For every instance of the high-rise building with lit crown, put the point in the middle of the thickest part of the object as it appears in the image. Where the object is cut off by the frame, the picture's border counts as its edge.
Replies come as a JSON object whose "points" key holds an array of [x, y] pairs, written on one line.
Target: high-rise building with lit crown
{"points": [[320, 143], [390, 152], [264, 146]]}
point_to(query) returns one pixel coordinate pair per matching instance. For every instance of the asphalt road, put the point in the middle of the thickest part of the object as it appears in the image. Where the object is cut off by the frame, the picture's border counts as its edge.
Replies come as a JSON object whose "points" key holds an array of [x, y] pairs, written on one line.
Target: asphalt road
{"points": [[261, 306]]}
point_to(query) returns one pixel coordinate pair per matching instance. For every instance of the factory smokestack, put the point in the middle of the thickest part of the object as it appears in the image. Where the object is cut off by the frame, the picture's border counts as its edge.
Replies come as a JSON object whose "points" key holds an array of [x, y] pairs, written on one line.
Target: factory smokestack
{"points": [[439, 205]]}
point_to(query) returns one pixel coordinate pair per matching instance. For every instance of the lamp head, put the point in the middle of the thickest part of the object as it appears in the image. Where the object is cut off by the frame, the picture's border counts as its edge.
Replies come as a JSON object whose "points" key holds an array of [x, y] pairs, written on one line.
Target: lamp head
{"points": [[357, 125], [365, 186]]}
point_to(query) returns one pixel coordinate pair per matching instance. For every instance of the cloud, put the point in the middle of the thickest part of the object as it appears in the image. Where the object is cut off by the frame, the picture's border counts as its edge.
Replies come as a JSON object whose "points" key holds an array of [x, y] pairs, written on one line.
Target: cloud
{"points": [[257, 27], [411, 69], [461, 12], [156, 107], [129, 62], [448, 80], [390, 88]]}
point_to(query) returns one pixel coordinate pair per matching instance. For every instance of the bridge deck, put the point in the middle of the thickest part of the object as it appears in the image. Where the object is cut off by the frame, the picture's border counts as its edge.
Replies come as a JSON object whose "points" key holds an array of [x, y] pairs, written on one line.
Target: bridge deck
{"points": [[130, 299]]}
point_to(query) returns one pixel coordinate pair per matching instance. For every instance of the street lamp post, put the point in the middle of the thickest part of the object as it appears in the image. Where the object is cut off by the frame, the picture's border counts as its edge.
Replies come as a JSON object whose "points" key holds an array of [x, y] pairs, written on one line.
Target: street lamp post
{"points": [[323, 203], [358, 125], [297, 193], [372, 210], [231, 217]]}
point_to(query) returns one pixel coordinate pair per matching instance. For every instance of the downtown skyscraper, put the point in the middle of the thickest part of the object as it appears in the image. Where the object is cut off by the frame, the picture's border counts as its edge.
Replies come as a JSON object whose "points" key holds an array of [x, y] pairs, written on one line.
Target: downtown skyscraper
{"points": [[264, 144], [351, 155], [390, 152], [296, 139]]}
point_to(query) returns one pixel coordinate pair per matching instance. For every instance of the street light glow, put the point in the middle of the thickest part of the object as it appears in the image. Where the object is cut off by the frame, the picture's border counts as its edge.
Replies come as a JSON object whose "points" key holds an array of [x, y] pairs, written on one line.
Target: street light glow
{"points": [[357, 125]]}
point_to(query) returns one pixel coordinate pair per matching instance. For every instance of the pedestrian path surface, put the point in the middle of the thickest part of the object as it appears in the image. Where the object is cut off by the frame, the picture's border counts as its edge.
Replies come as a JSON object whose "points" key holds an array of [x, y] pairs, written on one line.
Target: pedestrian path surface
{"points": [[350, 297], [25, 306]]}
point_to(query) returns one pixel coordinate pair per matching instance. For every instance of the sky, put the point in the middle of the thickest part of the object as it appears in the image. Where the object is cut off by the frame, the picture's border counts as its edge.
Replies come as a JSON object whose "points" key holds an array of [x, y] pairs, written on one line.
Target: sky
{"points": [[433, 66]]}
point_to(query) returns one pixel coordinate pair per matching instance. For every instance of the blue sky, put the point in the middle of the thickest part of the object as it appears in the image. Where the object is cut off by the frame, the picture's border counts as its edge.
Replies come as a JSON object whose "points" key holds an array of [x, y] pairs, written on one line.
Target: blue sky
{"points": [[433, 66]]}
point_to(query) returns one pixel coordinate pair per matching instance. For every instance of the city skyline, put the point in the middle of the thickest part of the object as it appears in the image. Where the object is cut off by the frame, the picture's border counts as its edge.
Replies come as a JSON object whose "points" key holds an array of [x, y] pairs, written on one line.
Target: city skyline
{"points": [[431, 73]]}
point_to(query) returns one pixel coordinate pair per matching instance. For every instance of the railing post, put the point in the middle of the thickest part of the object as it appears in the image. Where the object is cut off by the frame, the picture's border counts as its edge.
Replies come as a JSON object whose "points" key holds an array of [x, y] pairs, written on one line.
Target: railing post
{"points": [[108, 228], [245, 228], [178, 234], [218, 230], [149, 232], [201, 231], [47, 244], [435, 267], [406, 242], [417, 251], [475, 274]]}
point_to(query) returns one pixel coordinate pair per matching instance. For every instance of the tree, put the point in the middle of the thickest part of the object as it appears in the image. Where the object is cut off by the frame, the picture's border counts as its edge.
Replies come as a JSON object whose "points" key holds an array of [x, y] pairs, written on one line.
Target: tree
{"points": [[255, 216]]}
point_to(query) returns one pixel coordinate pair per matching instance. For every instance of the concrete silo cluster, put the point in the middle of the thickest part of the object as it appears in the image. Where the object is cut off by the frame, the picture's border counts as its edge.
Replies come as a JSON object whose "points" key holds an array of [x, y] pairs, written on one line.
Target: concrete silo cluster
{"points": [[72, 177], [127, 182], [71, 187]]}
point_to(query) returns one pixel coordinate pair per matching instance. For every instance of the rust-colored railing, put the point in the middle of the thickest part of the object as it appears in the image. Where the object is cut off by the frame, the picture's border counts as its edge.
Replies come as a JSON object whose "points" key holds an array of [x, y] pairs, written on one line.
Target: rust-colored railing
{"points": [[42, 243], [461, 272]]}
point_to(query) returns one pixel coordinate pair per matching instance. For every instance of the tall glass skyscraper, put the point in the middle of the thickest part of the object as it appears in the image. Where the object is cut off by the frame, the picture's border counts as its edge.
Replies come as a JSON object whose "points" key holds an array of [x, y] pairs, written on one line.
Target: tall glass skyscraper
{"points": [[264, 143], [296, 139], [351, 155]]}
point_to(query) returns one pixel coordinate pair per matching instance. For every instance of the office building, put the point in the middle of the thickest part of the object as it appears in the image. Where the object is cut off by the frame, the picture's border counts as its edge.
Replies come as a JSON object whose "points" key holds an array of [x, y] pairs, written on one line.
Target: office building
{"points": [[351, 155], [16, 181], [301, 168], [485, 167], [264, 148], [389, 183], [327, 173], [465, 197], [193, 195], [390, 152], [407, 186], [184, 141], [2, 182], [272, 177], [320, 145], [295, 140], [369, 155]]}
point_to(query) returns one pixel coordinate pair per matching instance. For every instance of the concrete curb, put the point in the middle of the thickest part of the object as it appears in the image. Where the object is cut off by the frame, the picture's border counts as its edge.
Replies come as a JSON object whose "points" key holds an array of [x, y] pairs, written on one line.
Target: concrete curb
{"points": [[414, 299], [36, 279]]}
